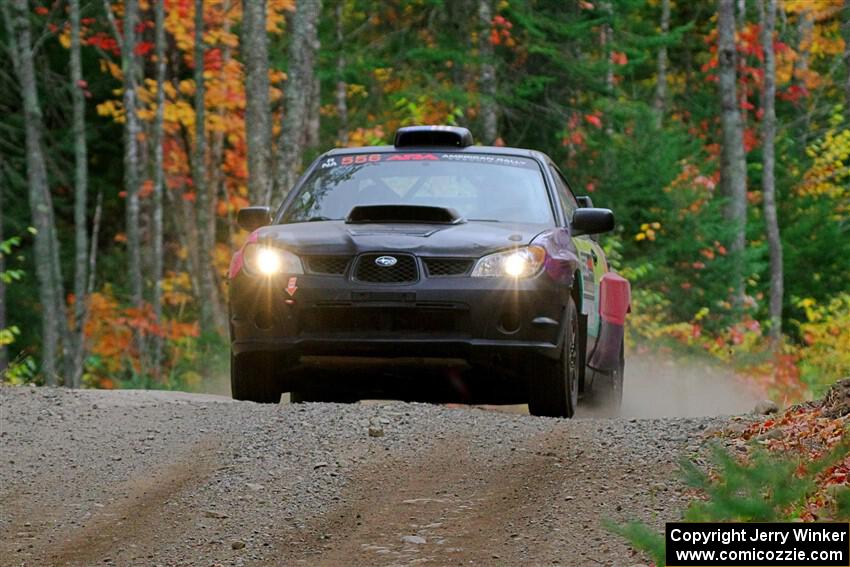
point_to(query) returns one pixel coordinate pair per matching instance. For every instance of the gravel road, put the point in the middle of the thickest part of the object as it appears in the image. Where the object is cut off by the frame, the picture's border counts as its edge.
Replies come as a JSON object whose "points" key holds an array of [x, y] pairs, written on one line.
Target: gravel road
{"points": [[156, 478]]}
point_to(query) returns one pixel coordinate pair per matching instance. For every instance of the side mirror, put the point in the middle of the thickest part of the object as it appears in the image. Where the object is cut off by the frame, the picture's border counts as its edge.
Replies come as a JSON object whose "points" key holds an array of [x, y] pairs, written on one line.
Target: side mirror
{"points": [[584, 202], [592, 221], [252, 218]]}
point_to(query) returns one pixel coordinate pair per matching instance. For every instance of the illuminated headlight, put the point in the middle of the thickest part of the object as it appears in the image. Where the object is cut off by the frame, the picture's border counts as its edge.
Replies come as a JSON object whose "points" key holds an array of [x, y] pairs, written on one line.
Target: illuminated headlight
{"points": [[519, 263], [267, 260]]}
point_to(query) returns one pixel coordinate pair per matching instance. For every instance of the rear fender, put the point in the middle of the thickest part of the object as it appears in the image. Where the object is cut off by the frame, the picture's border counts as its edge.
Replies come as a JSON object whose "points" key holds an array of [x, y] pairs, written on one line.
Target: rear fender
{"points": [[614, 304]]}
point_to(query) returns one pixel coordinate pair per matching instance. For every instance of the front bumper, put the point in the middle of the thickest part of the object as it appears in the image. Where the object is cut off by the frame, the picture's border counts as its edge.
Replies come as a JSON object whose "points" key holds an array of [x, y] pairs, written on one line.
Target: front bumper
{"points": [[447, 317]]}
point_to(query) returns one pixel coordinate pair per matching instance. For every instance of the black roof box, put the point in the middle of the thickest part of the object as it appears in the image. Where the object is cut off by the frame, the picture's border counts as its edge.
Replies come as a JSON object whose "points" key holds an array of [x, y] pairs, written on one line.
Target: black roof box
{"points": [[431, 136]]}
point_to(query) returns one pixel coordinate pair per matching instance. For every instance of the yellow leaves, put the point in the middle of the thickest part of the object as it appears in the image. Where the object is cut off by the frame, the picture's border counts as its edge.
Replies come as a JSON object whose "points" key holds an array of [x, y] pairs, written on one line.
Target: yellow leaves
{"points": [[648, 231], [176, 289], [187, 87], [382, 74], [827, 334], [113, 109], [111, 68], [829, 174], [355, 90], [180, 112], [65, 39]]}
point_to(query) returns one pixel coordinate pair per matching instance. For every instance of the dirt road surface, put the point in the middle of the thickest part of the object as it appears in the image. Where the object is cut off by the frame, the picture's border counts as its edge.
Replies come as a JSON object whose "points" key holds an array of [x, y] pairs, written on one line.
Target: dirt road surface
{"points": [[159, 478]]}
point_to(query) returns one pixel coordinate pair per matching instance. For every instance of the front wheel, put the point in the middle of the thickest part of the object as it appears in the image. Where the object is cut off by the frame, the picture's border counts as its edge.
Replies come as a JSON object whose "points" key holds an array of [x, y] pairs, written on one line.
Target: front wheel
{"points": [[553, 384], [253, 379]]}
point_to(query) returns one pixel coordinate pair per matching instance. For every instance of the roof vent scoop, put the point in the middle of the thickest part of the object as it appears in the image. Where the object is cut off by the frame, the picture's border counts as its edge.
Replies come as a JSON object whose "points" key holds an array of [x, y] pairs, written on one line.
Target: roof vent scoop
{"points": [[433, 136]]}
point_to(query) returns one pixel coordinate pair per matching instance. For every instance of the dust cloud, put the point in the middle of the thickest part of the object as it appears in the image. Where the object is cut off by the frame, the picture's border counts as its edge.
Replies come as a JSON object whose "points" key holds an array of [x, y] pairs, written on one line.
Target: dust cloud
{"points": [[655, 385], [660, 386]]}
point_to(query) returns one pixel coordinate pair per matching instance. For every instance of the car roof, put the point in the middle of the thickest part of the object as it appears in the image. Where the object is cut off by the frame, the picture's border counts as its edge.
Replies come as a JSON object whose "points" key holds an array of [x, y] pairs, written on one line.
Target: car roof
{"points": [[495, 150]]}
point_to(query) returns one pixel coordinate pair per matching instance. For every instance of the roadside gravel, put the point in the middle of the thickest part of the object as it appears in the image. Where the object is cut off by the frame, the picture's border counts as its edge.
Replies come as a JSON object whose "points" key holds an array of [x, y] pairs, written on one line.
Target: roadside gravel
{"points": [[160, 478]]}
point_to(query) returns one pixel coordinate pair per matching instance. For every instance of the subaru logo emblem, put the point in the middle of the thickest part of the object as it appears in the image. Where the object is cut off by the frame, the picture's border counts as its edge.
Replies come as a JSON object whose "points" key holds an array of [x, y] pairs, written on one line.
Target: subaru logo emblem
{"points": [[386, 261]]}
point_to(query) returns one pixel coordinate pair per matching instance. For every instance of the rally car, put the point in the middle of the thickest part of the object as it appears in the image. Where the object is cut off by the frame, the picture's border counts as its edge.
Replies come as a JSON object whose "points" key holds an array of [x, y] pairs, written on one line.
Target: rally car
{"points": [[475, 264]]}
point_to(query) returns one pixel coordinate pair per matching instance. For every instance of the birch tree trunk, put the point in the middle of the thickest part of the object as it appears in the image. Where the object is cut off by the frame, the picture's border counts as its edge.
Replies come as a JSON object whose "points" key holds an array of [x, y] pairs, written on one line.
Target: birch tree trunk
{"points": [[733, 167], [4, 356], [341, 84], [211, 321], [845, 26], [768, 125], [303, 46], [805, 31], [258, 118], [38, 192], [314, 120], [80, 195], [158, 175], [487, 80], [131, 150], [660, 100]]}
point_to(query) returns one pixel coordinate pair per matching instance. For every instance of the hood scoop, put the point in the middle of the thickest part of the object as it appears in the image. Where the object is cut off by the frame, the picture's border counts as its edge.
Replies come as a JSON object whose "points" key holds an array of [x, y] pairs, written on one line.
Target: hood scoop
{"points": [[392, 214]]}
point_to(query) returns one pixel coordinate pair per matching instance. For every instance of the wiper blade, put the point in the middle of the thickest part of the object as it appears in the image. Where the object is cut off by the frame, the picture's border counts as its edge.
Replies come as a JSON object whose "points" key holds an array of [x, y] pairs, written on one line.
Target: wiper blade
{"points": [[317, 219]]}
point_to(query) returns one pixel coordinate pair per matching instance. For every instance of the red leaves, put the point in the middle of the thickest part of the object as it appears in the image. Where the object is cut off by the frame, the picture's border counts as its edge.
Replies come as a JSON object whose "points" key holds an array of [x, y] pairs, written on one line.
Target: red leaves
{"points": [[594, 120], [104, 41], [500, 31], [212, 60], [41, 10], [619, 58], [143, 48], [805, 431], [751, 139]]}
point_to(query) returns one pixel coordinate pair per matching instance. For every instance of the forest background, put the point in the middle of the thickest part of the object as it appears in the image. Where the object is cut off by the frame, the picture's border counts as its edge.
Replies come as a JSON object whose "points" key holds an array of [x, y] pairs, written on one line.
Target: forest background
{"points": [[132, 131]]}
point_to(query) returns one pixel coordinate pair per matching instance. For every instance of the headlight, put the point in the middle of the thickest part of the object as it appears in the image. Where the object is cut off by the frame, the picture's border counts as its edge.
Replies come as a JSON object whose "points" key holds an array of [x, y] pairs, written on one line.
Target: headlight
{"points": [[519, 263], [267, 260]]}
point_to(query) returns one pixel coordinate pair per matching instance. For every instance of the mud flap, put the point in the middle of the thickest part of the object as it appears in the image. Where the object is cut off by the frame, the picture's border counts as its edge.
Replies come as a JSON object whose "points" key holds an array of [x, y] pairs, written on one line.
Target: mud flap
{"points": [[614, 304]]}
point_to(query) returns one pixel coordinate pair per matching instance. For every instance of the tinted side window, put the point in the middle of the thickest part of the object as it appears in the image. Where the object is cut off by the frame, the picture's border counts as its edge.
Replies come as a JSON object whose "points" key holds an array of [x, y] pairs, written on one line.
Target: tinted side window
{"points": [[568, 201]]}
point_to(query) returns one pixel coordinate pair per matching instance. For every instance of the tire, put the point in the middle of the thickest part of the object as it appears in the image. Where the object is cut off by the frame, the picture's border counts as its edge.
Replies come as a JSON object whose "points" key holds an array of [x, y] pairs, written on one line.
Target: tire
{"points": [[607, 395], [253, 378], [553, 384], [323, 395]]}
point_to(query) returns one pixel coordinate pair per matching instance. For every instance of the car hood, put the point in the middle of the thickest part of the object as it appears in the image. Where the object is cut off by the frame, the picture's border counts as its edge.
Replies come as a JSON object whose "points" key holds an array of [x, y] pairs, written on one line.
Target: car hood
{"points": [[468, 239]]}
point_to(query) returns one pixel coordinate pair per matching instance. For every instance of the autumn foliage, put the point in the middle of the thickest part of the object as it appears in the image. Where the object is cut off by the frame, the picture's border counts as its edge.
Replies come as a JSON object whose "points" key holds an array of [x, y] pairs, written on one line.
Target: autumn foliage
{"points": [[576, 80]]}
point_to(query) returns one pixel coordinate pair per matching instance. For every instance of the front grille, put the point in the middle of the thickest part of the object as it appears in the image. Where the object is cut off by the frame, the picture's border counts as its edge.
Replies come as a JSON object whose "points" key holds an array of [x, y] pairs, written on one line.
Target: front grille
{"points": [[361, 321], [332, 265], [447, 266], [403, 271]]}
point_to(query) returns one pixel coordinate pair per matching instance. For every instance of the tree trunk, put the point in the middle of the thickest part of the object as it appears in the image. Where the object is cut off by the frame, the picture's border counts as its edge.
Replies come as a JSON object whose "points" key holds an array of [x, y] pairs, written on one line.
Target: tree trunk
{"points": [[768, 125], [314, 120], [258, 118], [303, 46], [80, 192], [341, 85], [4, 356], [660, 102], [38, 194], [487, 81], [805, 32], [845, 25], [733, 166], [608, 47], [209, 296], [131, 151], [158, 176]]}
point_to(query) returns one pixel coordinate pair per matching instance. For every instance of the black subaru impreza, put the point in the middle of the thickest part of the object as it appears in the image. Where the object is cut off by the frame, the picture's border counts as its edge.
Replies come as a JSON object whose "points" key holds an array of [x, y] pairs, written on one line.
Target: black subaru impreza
{"points": [[432, 269]]}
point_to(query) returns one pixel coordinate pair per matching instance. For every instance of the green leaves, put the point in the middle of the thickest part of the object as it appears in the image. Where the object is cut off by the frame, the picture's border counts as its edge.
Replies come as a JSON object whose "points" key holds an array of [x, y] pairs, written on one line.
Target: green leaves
{"points": [[762, 487]]}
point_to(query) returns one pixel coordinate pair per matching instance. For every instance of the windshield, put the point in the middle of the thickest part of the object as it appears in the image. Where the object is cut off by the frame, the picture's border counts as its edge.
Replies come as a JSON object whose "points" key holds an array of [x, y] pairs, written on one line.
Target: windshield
{"points": [[481, 187]]}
